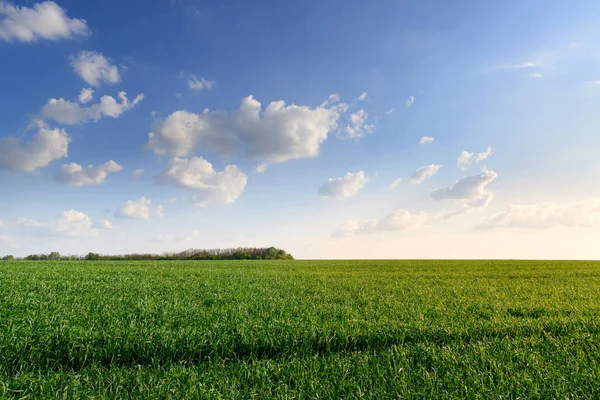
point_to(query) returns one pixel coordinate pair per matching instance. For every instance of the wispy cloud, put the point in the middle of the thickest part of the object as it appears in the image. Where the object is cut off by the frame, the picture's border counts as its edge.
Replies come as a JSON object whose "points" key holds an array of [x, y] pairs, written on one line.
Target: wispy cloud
{"points": [[426, 139], [523, 65]]}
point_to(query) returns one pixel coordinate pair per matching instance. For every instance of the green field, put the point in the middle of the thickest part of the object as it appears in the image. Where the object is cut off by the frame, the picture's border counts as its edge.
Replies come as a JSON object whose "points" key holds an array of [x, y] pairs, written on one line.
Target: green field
{"points": [[300, 329]]}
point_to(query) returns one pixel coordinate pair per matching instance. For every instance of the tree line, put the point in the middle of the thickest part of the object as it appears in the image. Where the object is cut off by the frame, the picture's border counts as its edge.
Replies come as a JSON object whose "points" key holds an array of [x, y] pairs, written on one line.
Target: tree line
{"points": [[240, 253]]}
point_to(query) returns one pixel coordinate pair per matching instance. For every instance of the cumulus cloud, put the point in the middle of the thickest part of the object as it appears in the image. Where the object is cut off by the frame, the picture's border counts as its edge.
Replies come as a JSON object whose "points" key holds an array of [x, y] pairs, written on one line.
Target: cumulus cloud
{"points": [[409, 101], [139, 209], [95, 69], [71, 223], [395, 183], [46, 146], [470, 190], [137, 174], [483, 155], [358, 126], [423, 173], [72, 113], [396, 221], [344, 187], [86, 95], [426, 139], [199, 84], [363, 96], [74, 223], [466, 159], [46, 20], [584, 213], [276, 134], [197, 174], [75, 175]]}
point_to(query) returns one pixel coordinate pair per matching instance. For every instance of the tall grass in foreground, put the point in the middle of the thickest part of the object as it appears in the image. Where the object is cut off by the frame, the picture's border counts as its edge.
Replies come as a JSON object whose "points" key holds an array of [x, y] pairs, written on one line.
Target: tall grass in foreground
{"points": [[301, 329]]}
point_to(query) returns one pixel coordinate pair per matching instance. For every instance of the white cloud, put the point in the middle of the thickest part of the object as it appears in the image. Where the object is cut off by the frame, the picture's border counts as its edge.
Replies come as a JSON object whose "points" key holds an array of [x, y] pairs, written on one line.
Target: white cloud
{"points": [[46, 146], [276, 134], [426, 139], [524, 65], [332, 99], [395, 183], [1, 223], [469, 191], [344, 187], [137, 174], [73, 223], [536, 76], [483, 155], [423, 173], [261, 168], [75, 175], [95, 69], [358, 127], [388, 112], [72, 113], [197, 174], [363, 96], [46, 20], [86, 95], [396, 221], [139, 209], [409, 101], [585, 213], [464, 160], [104, 224], [199, 84]]}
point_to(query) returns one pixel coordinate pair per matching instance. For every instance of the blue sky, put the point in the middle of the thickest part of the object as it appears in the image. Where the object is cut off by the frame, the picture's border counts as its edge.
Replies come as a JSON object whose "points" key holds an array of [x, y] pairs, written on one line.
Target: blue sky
{"points": [[506, 95]]}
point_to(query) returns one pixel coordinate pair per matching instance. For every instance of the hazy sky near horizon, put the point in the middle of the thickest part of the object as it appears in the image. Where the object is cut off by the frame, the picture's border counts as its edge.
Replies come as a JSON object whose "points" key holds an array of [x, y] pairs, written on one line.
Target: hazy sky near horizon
{"points": [[332, 129]]}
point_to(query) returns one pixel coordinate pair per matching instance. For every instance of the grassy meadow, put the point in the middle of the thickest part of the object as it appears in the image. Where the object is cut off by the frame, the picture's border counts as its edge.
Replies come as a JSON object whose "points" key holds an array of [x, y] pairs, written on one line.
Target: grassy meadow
{"points": [[300, 329]]}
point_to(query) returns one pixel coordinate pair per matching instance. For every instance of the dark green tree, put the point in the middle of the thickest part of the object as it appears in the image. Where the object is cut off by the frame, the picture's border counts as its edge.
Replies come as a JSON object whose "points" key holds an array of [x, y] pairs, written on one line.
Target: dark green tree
{"points": [[92, 256]]}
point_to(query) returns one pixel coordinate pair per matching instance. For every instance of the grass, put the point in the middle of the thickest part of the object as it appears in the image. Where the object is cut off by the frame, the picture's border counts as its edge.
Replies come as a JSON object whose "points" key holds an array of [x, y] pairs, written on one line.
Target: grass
{"points": [[300, 329]]}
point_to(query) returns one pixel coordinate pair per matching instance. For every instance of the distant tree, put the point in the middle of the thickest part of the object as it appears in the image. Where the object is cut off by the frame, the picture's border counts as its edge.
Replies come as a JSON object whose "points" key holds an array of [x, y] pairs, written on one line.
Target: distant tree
{"points": [[240, 254], [281, 255], [92, 256], [271, 253], [8, 258]]}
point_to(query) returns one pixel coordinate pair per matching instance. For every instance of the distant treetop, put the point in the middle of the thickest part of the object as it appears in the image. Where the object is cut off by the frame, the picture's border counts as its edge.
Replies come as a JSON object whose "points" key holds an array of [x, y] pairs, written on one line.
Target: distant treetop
{"points": [[240, 253]]}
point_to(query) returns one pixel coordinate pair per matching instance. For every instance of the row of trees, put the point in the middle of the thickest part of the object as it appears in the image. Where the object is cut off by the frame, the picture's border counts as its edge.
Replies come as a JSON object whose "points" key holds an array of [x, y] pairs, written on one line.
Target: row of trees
{"points": [[240, 253]]}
